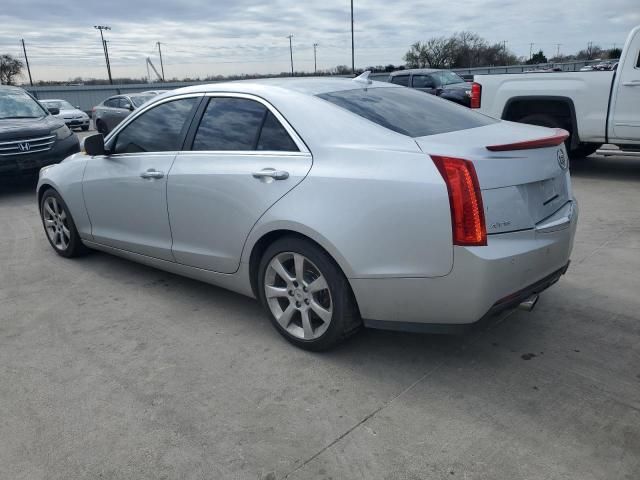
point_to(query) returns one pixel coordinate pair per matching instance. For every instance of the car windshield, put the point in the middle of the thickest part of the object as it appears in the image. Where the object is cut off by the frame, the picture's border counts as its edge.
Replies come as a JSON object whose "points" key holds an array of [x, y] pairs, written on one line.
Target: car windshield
{"points": [[60, 104], [140, 99], [449, 78], [407, 111], [17, 104]]}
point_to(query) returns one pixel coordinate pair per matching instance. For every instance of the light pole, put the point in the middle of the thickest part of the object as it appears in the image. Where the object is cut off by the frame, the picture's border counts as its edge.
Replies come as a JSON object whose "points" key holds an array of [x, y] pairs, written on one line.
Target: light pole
{"points": [[291, 51], [161, 64], [104, 47], [353, 60], [315, 62]]}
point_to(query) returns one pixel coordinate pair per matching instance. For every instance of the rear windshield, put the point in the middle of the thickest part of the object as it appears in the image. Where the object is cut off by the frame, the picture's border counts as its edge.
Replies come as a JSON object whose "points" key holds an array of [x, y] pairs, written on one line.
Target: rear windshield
{"points": [[407, 111]]}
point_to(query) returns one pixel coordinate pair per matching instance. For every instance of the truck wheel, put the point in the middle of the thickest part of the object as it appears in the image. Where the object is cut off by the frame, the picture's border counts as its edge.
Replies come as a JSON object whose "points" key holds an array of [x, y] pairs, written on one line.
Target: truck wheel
{"points": [[543, 120]]}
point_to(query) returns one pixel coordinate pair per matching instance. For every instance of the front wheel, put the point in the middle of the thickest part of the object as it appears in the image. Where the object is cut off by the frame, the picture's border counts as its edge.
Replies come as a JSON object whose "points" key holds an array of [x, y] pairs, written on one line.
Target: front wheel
{"points": [[306, 295], [59, 227]]}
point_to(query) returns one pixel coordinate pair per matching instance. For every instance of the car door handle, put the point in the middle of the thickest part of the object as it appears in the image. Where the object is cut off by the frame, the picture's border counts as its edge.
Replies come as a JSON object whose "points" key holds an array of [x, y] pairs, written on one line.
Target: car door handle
{"points": [[632, 83], [151, 173], [271, 173]]}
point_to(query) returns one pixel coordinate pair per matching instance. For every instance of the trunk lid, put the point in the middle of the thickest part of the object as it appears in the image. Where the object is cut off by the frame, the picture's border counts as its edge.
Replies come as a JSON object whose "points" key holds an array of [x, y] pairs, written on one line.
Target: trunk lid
{"points": [[520, 188]]}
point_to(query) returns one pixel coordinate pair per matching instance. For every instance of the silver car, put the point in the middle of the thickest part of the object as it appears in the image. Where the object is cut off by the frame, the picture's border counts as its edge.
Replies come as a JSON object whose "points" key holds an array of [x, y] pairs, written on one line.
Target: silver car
{"points": [[336, 202], [114, 109], [73, 117]]}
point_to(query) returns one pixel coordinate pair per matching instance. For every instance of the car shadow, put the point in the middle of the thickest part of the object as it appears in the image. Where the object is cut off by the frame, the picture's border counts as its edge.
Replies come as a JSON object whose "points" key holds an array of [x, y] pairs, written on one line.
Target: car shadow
{"points": [[610, 168]]}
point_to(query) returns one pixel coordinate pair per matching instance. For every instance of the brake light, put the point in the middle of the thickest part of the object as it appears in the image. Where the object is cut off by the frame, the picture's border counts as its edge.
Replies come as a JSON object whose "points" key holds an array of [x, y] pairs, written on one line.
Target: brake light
{"points": [[465, 200], [476, 95], [554, 140]]}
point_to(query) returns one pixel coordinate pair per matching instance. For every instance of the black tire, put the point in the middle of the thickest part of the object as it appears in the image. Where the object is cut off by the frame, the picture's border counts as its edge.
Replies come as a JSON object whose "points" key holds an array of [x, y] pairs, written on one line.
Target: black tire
{"points": [[345, 319], [101, 127], [583, 150], [74, 246], [85, 128], [544, 120]]}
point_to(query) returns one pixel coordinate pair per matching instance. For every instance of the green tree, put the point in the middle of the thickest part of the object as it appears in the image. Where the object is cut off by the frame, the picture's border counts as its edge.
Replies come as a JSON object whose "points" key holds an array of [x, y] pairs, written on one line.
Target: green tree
{"points": [[537, 58]]}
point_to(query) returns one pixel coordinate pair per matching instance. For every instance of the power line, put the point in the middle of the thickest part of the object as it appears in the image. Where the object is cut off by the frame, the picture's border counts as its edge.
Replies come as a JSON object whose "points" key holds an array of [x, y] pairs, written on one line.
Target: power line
{"points": [[26, 59]]}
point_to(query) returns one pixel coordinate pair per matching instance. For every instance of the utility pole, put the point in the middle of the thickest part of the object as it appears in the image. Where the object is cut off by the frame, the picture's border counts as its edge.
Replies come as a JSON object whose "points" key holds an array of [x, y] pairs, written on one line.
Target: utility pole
{"points": [[291, 51], [353, 60], [315, 61], [531, 50], [161, 64], [558, 45], [26, 59], [104, 47]]}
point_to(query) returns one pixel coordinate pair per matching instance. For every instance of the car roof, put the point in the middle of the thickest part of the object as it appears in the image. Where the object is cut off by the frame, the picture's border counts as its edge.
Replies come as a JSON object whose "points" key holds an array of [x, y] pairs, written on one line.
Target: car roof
{"points": [[304, 85], [416, 70], [53, 100], [10, 88]]}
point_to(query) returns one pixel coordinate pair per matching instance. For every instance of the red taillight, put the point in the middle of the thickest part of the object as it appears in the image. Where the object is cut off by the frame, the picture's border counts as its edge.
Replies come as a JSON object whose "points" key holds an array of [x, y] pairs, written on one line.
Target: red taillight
{"points": [[552, 141], [465, 200], [476, 95]]}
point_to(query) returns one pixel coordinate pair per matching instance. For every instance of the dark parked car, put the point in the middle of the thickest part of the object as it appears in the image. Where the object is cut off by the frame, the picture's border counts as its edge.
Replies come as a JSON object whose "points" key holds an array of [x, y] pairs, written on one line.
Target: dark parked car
{"points": [[114, 109], [30, 136], [443, 83]]}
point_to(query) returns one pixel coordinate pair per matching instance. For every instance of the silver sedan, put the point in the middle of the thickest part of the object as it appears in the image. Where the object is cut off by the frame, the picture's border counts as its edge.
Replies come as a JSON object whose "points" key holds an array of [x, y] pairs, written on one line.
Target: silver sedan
{"points": [[337, 203]]}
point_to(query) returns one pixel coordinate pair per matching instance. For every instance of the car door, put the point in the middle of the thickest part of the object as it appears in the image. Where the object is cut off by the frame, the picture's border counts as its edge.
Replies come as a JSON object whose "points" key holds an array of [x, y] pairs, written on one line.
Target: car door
{"points": [[125, 191], [626, 111], [243, 157], [424, 83]]}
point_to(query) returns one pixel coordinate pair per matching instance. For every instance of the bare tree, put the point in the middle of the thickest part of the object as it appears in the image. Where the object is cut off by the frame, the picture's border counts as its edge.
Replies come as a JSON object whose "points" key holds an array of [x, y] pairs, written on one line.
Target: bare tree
{"points": [[10, 67]]}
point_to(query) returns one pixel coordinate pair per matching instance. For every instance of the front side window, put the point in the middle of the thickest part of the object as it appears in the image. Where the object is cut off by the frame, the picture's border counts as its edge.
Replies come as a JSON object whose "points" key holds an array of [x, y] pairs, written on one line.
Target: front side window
{"points": [[401, 80], [449, 78], [238, 124], [160, 129]]}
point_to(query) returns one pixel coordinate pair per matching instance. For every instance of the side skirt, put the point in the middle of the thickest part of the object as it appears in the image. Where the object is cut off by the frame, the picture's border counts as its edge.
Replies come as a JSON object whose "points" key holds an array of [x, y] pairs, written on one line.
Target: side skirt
{"points": [[237, 282]]}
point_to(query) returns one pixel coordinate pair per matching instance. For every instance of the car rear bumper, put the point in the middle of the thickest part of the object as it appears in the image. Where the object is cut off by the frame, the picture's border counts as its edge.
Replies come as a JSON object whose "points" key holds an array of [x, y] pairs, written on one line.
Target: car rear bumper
{"points": [[30, 163], [483, 281]]}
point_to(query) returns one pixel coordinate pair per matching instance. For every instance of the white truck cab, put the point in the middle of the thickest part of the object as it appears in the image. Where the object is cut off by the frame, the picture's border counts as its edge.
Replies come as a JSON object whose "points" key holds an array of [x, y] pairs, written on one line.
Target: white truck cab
{"points": [[596, 107]]}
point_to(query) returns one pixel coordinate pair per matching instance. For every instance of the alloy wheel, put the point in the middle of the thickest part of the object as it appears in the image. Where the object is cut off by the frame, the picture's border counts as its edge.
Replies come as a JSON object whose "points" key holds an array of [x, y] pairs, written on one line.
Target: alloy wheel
{"points": [[298, 295], [56, 223]]}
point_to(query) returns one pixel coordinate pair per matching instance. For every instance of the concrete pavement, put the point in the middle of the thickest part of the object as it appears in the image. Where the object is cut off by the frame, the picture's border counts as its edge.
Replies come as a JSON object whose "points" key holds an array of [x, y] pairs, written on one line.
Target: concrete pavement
{"points": [[113, 370]]}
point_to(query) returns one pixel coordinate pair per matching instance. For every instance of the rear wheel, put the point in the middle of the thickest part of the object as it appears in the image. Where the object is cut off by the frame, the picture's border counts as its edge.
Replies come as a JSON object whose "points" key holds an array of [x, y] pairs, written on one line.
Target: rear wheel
{"points": [[306, 295], [85, 128], [59, 227]]}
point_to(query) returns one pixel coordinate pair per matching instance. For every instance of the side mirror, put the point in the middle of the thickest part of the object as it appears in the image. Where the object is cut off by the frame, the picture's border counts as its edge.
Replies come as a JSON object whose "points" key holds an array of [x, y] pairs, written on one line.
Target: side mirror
{"points": [[94, 145], [53, 110], [78, 107], [128, 106]]}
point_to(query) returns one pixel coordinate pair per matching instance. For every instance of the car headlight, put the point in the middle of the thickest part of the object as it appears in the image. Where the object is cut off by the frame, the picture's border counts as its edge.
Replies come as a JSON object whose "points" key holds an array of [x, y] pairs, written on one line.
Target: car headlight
{"points": [[62, 132]]}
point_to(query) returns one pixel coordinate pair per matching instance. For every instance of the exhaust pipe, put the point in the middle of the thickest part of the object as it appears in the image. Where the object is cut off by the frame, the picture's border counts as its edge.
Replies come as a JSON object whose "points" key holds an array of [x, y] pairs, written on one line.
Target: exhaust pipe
{"points": [[529, 303]]}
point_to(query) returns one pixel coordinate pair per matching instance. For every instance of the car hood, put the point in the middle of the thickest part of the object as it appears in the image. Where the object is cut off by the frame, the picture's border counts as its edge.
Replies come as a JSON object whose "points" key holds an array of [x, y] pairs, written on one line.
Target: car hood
{"points": [[72, 112], [458, 86], [18, 128]]}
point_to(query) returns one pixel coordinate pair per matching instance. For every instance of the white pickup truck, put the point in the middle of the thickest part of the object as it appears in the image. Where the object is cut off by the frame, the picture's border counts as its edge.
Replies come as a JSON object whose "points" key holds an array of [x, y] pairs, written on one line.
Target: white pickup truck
{"points": [[596, 107]]}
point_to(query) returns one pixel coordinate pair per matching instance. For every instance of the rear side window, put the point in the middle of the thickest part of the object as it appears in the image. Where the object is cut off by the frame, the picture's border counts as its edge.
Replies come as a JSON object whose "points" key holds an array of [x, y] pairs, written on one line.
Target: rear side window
{"points": [[400, 80], [423, 81], [160, 129], [111, 102], [273, 136], [407, 111], [238, 124]]}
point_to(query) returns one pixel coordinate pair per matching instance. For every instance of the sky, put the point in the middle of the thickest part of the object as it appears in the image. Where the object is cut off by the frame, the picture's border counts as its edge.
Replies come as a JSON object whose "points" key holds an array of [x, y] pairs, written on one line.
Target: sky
{"points": [[210, 37]]}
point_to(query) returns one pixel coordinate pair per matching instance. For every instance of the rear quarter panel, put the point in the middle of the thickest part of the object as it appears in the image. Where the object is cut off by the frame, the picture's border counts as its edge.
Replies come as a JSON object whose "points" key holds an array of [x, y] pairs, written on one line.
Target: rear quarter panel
{"points": [[378, 213]]}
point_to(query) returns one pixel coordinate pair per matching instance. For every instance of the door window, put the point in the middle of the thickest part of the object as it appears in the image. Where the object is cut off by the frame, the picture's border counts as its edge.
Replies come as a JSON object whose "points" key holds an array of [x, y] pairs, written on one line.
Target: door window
{"points": [[238, 124], [111, 102], [124, 103], [159, 129], [401, 80], [423, 81]]}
